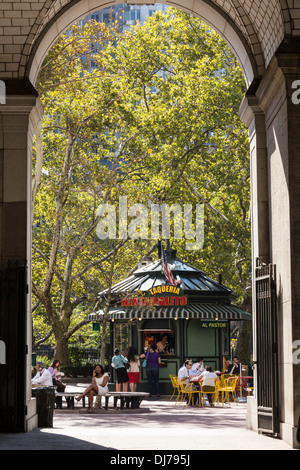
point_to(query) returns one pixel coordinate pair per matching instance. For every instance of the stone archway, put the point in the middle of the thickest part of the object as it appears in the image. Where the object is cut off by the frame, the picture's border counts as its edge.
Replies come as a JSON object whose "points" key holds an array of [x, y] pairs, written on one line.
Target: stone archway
{"points": [[216, 18], [264, 35]]}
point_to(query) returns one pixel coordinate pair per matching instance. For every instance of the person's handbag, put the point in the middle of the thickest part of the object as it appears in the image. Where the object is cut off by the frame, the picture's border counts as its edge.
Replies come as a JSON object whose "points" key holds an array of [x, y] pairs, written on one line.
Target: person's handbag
{"points": [[144, 363], [126, 364]]}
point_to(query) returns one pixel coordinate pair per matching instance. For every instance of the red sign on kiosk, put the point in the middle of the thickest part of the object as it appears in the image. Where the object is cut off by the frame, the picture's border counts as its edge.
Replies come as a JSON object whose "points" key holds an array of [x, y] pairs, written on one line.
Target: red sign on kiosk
{"points": [[160, 296]]}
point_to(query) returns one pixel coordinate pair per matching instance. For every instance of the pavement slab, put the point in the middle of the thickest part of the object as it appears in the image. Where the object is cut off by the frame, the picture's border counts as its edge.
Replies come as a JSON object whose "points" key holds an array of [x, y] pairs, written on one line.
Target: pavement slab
{"points": [[163, 426]]}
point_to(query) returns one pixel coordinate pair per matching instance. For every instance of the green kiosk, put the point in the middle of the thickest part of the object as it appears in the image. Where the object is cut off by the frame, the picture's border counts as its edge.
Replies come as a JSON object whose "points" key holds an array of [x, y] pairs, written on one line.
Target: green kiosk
{"points": [[192, 318]]}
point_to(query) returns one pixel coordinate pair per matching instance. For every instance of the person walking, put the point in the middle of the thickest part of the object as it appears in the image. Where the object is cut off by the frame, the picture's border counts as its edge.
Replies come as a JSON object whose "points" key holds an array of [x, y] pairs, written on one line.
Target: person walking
{"points": [[134, 368], [152, 369]]}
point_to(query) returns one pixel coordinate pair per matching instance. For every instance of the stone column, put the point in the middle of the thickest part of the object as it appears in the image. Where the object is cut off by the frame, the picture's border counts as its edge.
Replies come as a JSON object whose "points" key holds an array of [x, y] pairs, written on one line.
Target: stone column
{"points": [[17, 119], [275, 116], [254, 118], [288, 60]]}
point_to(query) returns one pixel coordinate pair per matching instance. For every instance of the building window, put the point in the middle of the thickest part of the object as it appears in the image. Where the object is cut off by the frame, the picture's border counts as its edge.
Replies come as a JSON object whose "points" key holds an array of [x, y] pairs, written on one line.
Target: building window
{"points": [[122, 336]]}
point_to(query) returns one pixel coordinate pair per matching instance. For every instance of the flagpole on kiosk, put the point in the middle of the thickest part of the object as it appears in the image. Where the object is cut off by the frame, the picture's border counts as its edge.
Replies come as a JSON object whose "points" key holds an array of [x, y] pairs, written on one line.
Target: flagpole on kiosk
{"points": [[166, 268]]}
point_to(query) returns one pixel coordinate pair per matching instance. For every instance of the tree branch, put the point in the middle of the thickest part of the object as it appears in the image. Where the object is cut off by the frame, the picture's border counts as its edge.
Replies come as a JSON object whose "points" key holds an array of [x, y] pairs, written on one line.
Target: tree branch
{"points": [[42, 340], [203, 200]]}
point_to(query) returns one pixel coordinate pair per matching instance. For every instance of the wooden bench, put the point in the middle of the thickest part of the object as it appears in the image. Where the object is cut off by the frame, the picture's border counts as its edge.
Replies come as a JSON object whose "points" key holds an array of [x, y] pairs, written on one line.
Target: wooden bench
{"points": [[129, 399], [69, 396]]}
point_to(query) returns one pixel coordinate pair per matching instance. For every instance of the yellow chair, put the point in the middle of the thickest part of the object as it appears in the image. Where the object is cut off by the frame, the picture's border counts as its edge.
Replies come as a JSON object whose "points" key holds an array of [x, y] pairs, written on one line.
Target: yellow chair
{"points": [[175, 385], [222, 388], [190, 391], [218, 390], [172, 382], [206, 390], [229, 386], [226, 376], [182, 390], [187, 392]]}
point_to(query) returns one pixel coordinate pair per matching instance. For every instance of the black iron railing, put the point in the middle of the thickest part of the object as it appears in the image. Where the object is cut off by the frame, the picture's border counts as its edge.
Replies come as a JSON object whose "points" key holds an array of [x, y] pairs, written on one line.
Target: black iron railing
{"points": [[267, 349]]}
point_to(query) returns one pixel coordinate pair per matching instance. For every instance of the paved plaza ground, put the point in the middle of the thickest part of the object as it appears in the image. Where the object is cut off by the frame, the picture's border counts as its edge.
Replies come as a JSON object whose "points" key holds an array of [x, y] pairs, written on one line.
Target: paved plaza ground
{"points": [[159, 426]]}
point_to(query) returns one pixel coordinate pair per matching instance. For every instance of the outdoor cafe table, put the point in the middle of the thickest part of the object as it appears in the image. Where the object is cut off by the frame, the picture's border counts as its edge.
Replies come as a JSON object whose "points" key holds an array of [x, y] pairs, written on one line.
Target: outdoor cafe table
{"points": [[240, 386], [241, 383]]}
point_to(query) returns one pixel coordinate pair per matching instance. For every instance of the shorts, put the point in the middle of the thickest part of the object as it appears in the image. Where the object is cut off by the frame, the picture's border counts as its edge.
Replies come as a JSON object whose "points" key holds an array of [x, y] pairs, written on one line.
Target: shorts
{"points": [[122, 376], [133, 377]]}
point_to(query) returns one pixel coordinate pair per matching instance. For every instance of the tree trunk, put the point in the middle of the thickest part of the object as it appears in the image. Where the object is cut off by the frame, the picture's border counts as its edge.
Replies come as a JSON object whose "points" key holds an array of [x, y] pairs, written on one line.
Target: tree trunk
{"points": [[61, 349], [107, 306], [243, 347], [103, 341]]}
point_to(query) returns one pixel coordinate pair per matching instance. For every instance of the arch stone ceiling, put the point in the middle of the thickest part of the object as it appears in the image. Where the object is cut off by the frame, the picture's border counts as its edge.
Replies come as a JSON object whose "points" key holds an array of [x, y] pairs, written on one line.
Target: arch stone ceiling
{"points": [[261, 25]]}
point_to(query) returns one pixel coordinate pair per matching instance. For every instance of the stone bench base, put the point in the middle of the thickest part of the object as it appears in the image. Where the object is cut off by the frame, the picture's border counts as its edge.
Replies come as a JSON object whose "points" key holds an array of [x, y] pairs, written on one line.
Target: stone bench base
{"points": [[127, 399], [69, 396]]}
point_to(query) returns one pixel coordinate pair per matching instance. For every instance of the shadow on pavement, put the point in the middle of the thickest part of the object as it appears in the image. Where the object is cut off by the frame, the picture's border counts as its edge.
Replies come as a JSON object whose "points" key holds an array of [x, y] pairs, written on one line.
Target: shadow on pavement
{"points": [[39, 440]]}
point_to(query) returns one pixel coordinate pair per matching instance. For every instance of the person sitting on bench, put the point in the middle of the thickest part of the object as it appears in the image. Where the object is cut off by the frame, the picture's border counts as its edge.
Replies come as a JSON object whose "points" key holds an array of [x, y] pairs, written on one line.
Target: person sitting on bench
{"points": [[99, 386]]}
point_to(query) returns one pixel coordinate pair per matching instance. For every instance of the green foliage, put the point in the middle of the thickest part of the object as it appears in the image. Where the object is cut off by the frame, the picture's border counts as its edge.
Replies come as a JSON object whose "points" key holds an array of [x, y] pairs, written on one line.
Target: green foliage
{"points": [[77, 356], [45, 360], [156, 120]]}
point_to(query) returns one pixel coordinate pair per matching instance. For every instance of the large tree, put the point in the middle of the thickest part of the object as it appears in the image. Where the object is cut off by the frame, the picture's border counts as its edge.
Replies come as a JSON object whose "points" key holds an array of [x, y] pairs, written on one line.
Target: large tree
{"points": [[150, 114], [77, 168], [183, 88]]}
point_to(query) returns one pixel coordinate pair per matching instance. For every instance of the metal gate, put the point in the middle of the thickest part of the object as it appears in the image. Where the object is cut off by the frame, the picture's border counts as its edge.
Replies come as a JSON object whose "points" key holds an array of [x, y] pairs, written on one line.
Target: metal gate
{"points": [[13, 291], [267, 354]]}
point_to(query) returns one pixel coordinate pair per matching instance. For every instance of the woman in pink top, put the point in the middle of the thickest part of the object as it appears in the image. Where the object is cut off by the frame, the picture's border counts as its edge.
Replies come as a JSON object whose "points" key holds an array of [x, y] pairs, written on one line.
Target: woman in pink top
{"points": [[134, 369]]}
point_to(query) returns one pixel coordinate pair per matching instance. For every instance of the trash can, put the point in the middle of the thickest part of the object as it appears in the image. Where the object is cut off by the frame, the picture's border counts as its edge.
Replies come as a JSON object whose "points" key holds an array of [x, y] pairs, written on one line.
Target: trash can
{"points": [[45, 399]]}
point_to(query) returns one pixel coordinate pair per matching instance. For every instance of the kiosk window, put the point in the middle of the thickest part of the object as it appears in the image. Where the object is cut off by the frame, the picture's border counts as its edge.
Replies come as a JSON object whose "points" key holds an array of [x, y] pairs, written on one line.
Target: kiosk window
{"points": [[165, 341]]}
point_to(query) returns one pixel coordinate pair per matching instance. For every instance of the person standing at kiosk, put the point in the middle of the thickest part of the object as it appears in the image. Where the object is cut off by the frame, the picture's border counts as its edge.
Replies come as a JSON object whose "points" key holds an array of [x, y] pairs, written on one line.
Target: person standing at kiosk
{"points": [[152, 369], [118, 362]]}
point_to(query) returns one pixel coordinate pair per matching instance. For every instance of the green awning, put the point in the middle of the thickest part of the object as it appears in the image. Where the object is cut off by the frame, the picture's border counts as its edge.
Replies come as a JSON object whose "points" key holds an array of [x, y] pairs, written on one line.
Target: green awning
{"points": [[200, 311]]}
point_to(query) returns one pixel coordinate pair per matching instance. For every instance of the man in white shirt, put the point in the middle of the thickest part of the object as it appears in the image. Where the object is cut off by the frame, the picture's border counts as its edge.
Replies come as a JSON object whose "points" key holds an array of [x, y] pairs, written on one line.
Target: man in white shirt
{"points": [[43, 376], [184, 372], [198, 367]]}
